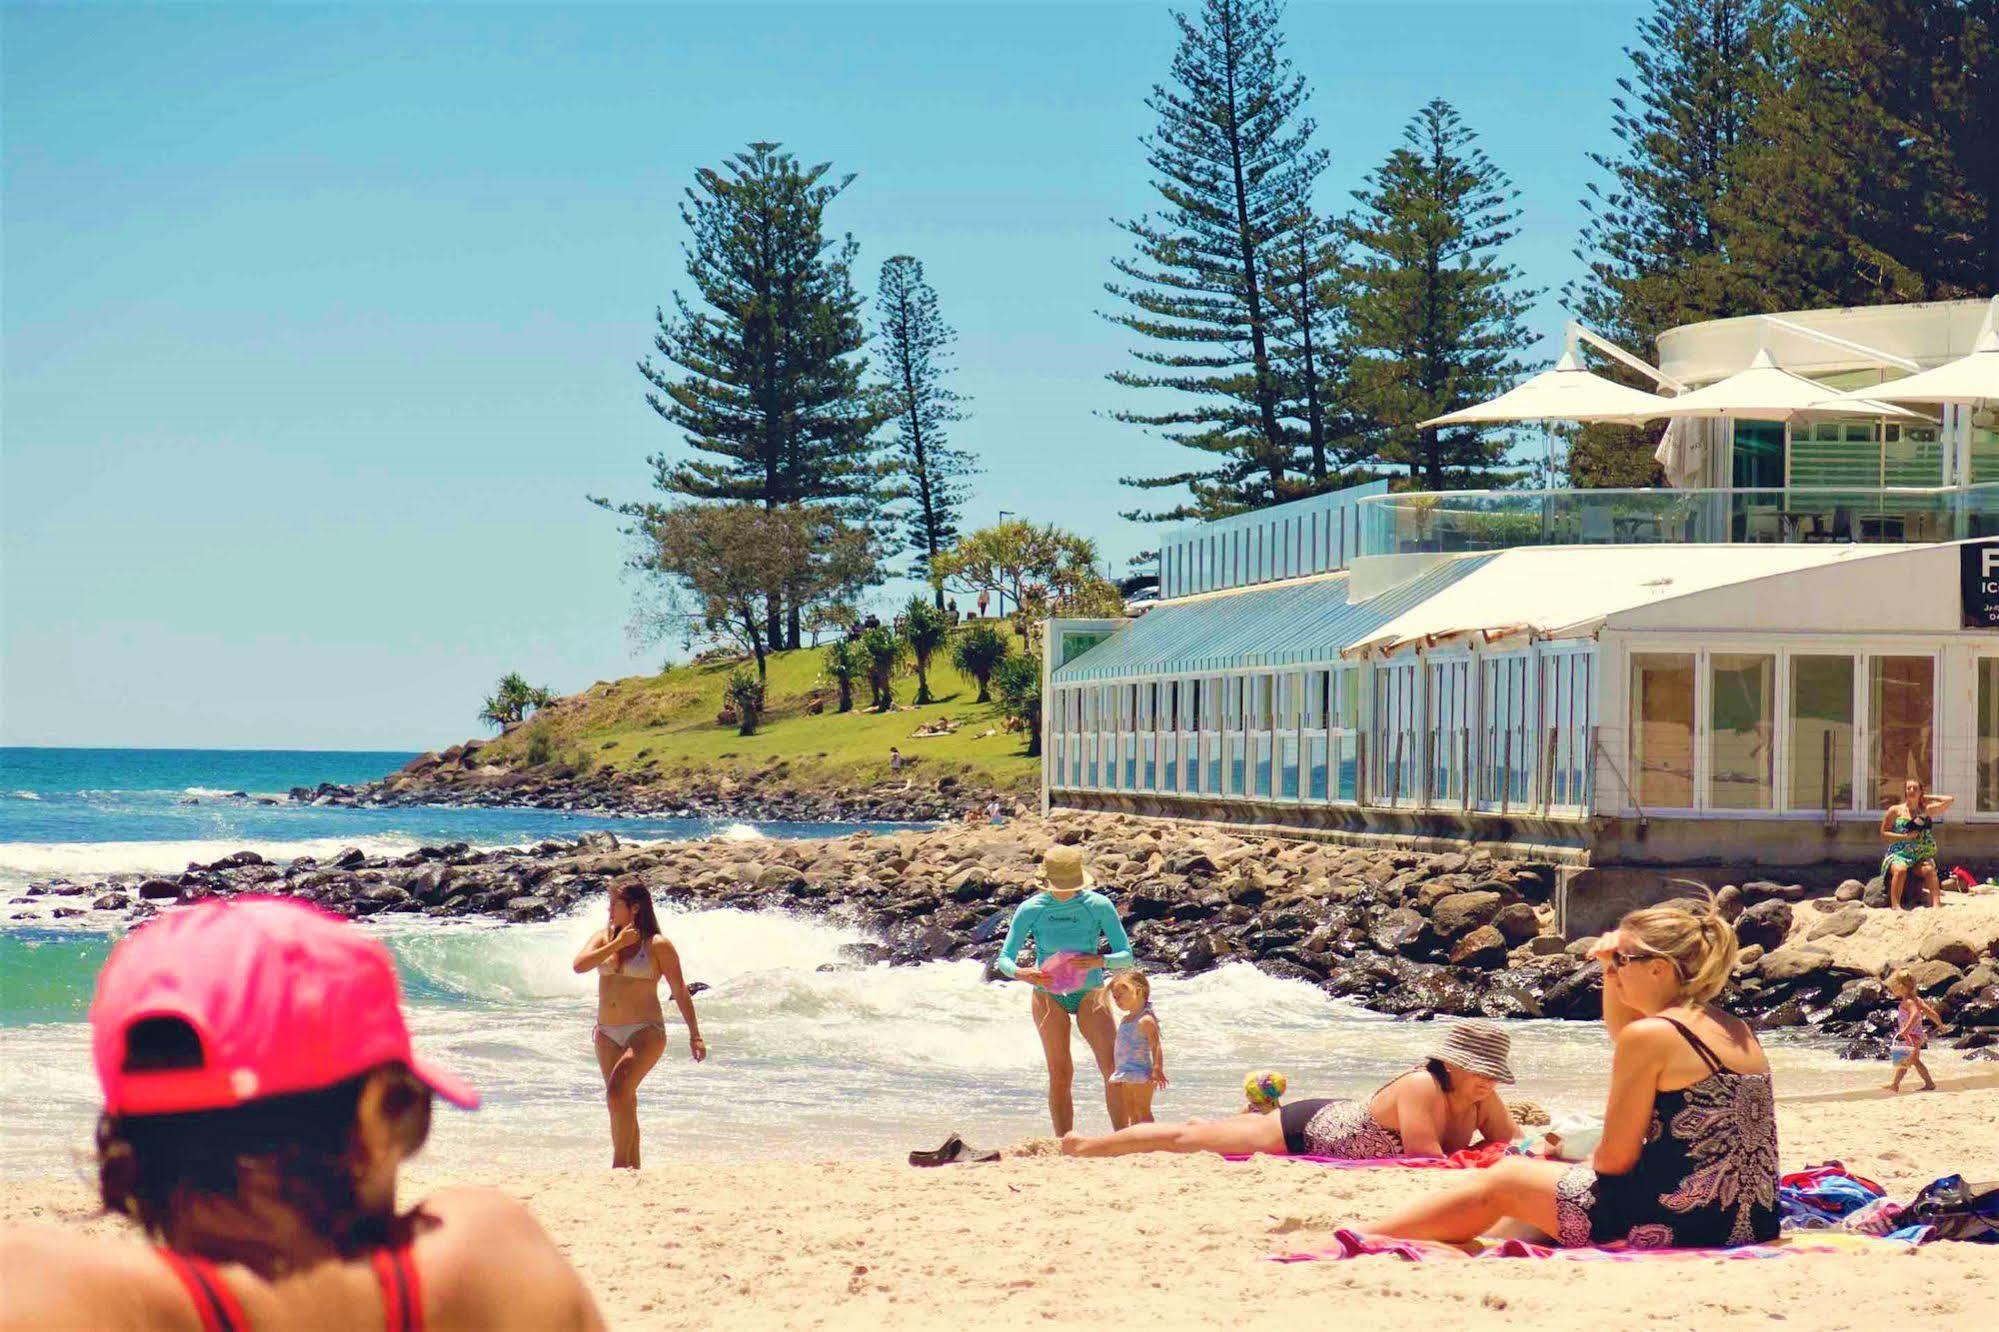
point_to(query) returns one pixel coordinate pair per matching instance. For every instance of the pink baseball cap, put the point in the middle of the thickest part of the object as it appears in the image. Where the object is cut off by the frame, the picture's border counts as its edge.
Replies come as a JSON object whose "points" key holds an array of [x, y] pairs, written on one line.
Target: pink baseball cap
{"points": [[285, 998]]}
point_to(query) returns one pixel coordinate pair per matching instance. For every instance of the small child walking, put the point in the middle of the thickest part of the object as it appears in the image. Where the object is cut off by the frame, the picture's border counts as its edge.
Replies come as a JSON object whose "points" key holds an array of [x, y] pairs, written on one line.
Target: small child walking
{"points": [[1911, 1013], [1140, 1063]]}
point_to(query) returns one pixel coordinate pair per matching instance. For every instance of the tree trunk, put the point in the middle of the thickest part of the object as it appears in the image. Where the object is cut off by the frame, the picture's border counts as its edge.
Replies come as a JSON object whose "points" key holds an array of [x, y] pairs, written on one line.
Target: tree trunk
{"points": [[1266, 402]]}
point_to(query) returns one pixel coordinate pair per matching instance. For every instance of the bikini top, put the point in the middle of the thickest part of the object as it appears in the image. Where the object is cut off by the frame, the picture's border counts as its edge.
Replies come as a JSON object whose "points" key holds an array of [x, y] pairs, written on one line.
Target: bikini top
{"points": [[216, 1306], [638, 966]]}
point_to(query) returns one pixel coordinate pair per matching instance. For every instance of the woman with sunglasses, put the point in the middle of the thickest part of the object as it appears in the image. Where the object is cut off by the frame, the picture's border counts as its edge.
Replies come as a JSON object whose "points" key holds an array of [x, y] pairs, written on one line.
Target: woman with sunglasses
{"points": [[1688, 1157]]}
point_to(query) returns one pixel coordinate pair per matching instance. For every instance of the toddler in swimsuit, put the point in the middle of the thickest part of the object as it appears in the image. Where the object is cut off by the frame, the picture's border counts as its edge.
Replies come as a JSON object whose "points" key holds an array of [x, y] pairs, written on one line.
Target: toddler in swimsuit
{"points": [[1910, 1015], [1139, 1061]]}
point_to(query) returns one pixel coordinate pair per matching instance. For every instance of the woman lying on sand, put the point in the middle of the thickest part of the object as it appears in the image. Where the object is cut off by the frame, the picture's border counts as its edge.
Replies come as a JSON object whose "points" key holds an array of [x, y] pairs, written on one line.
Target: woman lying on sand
{"points": [[1432, 1110], [260, 1095], [632, 957], [1688, 1157]]}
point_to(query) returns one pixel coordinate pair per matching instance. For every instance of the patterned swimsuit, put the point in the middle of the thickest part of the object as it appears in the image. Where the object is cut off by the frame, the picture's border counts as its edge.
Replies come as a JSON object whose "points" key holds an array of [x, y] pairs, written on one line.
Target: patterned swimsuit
{"points": [[1336, 1128], [1705, 1178]]}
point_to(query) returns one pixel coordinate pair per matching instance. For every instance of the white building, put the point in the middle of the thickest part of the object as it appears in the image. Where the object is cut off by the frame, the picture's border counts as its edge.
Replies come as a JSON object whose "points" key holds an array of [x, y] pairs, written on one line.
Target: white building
{"points": [[1659, 677]]}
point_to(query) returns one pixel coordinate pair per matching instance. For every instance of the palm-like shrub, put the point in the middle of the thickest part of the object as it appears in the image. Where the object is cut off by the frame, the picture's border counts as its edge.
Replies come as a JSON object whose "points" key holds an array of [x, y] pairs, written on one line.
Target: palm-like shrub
{"points": [[746, 694], [924, 629], [881, 653], [1018, 682], [978, 653], [842, 666]]}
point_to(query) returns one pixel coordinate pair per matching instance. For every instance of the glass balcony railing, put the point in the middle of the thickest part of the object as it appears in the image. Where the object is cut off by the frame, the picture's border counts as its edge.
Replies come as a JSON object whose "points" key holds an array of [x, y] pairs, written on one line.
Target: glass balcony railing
{"points": [[1469, 520]]}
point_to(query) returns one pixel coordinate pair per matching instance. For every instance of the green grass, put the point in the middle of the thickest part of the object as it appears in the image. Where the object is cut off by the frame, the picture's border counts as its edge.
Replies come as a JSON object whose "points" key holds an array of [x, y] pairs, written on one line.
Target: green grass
{"points": [[665, 724]]}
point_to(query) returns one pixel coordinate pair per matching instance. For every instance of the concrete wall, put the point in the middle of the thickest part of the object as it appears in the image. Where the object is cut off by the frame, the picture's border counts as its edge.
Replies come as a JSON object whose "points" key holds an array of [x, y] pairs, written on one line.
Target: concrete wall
{"points": [[1852, 849]]}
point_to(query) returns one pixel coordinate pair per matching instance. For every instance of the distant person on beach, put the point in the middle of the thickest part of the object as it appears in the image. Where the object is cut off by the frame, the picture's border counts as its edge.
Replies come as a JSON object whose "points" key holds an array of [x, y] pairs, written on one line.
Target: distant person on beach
{"points": [[985, 598], [260, 1096], [1912, 1011], [1688, 1156], [631, 957], [1138, 1060], [1910, 828], [894, 759], [1076, 934], [1437, 1108], [995, 812]]}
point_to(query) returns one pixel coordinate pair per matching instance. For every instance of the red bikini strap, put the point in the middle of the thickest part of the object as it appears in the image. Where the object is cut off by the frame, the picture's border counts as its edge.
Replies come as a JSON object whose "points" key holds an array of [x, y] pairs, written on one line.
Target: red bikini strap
{"points": [[214, 1303], [402, 1293]]}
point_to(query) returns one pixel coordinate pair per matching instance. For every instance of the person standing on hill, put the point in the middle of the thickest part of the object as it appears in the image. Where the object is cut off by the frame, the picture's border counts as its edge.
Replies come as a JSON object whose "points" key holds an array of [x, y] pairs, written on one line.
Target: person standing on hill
{"points": [[1077, 935]]}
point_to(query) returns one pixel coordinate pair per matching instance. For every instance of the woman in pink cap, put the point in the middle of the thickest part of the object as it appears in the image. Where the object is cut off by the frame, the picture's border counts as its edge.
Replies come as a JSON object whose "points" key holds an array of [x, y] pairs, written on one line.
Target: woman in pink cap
{"points": [[260, 1095]]}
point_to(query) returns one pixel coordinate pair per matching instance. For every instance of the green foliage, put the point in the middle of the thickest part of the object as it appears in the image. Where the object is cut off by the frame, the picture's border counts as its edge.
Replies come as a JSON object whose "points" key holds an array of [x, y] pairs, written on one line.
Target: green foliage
{"points": [[745, 693], [762, 368], [844, 665], [1042, 570], [1436, 316], [1018, 683], [1653, 242], [512, 700], [540, 749], [882, 653], [977, 653], [1233, 164], [1869, 175], [915, 345], [924, 629]]}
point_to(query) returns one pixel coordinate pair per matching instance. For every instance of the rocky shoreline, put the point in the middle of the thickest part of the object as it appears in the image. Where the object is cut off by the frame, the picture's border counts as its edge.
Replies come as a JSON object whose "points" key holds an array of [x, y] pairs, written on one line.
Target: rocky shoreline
{"points": [[1405, 933], [457, 776]]}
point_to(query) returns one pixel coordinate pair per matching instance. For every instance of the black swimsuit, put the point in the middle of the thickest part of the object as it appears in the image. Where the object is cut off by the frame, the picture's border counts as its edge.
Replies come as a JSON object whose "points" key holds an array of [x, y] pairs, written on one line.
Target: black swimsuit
{"points": [[1705, 1178]]}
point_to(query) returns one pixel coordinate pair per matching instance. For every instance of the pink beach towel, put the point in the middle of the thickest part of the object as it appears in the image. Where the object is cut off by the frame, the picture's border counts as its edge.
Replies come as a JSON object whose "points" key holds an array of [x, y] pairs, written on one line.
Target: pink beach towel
{"points": [[1353, 1244], [1471, 1158]]}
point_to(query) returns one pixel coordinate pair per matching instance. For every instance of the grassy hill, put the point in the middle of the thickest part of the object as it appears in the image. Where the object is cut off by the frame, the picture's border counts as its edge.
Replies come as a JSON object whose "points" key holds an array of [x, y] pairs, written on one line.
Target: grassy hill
{"points": [[664, 724]]}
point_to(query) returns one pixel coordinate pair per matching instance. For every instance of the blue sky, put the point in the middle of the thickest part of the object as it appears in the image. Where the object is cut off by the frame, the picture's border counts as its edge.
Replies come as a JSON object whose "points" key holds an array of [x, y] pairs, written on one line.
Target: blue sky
{"points": [[320, 321]]}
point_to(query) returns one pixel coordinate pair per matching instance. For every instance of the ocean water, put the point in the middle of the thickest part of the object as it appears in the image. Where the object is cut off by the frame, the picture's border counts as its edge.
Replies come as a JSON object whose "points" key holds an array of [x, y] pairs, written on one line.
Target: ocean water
{"points": [[811, 1056]]}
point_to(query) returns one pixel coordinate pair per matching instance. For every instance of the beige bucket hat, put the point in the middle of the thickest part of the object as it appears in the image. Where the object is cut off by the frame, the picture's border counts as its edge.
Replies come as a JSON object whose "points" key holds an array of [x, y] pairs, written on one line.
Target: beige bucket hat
{"points": [[1477, 1047], [1063, 868]]}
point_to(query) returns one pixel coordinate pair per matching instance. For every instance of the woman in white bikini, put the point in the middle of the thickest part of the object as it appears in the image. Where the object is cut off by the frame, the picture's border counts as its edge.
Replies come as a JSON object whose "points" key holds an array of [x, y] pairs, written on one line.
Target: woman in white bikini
{"points": [[631, 957]]}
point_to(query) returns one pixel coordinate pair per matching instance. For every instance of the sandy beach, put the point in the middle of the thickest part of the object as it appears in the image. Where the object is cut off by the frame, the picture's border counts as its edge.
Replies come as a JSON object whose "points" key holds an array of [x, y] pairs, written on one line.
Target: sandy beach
{"points": [[1179, 1241]]}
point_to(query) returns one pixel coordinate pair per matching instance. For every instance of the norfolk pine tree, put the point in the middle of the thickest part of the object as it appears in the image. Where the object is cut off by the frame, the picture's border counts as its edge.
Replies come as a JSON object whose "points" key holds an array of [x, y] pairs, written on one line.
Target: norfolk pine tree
{"points": [[1231, 156], [763, 368], [1435, 315], [915, 343], [1652, 244]]}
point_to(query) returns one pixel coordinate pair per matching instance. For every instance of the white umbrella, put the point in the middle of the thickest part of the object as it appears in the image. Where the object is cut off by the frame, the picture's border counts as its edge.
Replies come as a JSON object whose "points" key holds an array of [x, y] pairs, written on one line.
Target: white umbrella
{"points": [[1768, 392], [1681, 455], [1968, 379], [1566, 393]]}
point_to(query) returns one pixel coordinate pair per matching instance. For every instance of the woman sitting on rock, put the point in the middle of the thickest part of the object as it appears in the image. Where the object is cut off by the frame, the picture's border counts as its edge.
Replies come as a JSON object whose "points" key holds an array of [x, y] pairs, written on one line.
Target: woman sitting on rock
{"points": [[1688, 1157], [260, 1097], [1910, 828], [1435, 1109]]}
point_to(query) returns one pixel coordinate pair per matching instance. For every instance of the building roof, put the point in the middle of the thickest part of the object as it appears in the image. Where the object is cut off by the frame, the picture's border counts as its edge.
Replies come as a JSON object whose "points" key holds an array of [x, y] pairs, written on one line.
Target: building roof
{"points": [[1302, 622], [1570, 591]]}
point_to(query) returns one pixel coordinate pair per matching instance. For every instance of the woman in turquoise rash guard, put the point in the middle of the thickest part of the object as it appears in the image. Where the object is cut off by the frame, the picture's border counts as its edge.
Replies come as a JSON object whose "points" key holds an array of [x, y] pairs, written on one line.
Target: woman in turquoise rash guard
{"points": [[1067, 917]]}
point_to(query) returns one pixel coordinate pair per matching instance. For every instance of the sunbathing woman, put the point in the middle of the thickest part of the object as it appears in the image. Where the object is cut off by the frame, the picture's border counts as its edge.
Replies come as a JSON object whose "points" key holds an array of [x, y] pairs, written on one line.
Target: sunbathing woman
{"points": [[1688, 1157], [260, 1096], [1432, 1110], [632, 957]]}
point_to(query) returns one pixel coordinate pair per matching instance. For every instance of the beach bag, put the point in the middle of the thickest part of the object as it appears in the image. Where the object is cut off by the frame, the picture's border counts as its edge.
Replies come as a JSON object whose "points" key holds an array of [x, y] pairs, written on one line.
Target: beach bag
{"points": [[1956, 1210]]}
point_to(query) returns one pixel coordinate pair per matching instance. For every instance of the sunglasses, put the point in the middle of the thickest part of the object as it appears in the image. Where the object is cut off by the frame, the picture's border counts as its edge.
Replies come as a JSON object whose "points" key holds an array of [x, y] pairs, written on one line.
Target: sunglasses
{"points": [[1620, 959]]}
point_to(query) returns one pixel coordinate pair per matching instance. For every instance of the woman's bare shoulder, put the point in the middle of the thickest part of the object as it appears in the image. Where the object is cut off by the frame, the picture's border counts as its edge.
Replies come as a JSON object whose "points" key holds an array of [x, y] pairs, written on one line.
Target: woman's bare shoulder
{"points": [[55, 1278], [488, 1262]]}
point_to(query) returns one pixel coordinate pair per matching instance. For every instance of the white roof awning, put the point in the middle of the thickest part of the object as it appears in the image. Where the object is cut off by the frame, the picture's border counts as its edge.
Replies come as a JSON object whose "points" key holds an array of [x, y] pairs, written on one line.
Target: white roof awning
{"points": [[1968, 379], [1566, 393], [1768, 392]]}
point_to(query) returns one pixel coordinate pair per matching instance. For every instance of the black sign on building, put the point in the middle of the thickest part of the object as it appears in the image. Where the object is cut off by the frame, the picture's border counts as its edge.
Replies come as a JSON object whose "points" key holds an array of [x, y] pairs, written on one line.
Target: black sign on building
{"points": [[1978, 582]]}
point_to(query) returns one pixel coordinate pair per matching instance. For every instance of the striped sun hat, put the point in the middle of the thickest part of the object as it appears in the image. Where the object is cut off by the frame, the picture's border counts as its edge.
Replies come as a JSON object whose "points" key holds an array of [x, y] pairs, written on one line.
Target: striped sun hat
{"points": [[1477, 1047]]}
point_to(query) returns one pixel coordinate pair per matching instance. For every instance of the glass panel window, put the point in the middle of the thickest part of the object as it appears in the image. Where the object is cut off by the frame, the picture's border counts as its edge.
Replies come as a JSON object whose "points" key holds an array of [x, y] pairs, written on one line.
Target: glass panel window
{"points": [[1901, 700], [1259, 765], [1169, 764], [1130, 762], [1662, 729], [1211, 761], [1346, 733], [1742, 713], [1988, 733], [1821, 741], [1236, 764], [1148, 769], [1287, 767]]}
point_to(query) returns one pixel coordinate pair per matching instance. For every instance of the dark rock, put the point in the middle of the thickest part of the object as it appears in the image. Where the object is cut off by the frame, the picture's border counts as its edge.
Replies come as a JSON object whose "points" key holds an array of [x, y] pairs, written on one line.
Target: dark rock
{"points": [[1859, 997], [1875, 893], [527, 908], [1934, 976], [1400, 930], [153, 888], [1766, 923], [111, 902], [1508, 996], [1794, 962], [1460, 913], [1839, 924], [1483, 947], [1197, 955], [1518, 923], [1852, 890], [1958, 949], [598, 840], [64, 913], [1728, 902], [1579, 995]]}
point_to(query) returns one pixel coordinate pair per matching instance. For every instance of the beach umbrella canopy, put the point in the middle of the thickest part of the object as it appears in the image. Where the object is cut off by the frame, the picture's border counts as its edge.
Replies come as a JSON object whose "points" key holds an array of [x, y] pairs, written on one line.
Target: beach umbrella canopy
{"points": [[1968, 379], [1768, 392], [1566, 393]]}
